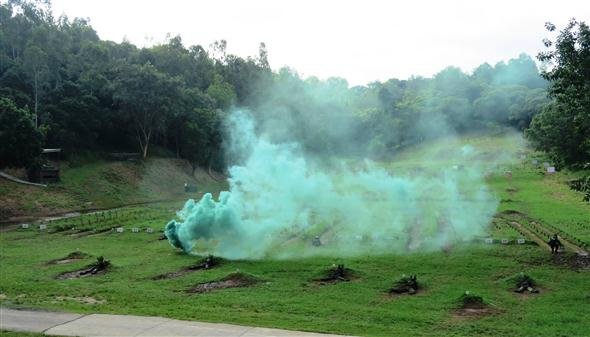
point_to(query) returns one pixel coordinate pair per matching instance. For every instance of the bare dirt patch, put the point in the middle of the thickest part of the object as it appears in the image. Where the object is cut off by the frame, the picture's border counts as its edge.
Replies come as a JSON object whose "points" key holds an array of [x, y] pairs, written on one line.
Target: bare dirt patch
{"points": [[472, 306], [233, 280], [83, 300], [574, 261], [71, 257], [207, 263], [93, 232], [473, 312]]}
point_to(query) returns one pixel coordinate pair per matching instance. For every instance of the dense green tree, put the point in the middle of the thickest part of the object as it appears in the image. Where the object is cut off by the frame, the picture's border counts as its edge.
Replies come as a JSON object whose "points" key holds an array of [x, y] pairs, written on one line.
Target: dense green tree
{"points": [[21, 141], [202, 142], [146, 97], [222, 92], [563, 128], [518, 71]]}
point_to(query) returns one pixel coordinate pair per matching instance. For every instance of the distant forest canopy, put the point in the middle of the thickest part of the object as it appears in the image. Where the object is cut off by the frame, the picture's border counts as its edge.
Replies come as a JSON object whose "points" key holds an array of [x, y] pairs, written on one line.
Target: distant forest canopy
{"points": [[83, 94]]}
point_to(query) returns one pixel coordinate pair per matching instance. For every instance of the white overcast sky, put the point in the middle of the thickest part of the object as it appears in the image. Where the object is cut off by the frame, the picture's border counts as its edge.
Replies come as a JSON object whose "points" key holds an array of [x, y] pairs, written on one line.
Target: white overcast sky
{"points": [[361, 41]]}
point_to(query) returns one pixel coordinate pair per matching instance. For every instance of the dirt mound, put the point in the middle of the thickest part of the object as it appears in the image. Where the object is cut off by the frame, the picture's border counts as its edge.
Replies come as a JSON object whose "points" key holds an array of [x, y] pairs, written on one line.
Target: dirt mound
{"points": [[208, 262], [82, 300], [470, 305], [473, 312], [233, 280], [511, 212], [101, 266], [471, 301], [71, 257]]}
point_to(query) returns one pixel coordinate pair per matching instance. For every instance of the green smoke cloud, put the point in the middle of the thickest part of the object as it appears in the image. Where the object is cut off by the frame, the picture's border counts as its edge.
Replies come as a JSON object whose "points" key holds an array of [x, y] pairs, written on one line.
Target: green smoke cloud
{"points": [[279, 199]]}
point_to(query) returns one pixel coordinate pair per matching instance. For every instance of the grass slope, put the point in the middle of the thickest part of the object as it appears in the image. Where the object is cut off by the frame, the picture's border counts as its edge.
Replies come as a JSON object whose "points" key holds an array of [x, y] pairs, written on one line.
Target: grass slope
{"points": [[103, 184], [288, 298]]}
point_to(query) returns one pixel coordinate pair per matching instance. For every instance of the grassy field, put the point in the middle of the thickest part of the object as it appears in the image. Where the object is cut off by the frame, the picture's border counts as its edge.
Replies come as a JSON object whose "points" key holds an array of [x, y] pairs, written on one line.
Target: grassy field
{"points": [[287, 297]]}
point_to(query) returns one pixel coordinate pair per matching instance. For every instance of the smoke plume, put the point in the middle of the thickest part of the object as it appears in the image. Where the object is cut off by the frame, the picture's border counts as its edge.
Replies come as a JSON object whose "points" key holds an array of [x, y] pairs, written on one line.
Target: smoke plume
{"points": [[279, 200]]}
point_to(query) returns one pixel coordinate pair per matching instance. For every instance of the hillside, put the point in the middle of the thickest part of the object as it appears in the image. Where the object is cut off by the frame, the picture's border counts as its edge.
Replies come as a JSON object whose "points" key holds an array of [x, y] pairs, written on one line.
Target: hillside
{"points": [[103, 184]]}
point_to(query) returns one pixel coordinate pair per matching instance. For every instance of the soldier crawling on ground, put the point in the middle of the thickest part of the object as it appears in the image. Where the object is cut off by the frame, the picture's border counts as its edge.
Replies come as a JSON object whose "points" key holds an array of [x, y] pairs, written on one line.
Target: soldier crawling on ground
{"points": [[525, 282], [100, 265], [555, 244]]}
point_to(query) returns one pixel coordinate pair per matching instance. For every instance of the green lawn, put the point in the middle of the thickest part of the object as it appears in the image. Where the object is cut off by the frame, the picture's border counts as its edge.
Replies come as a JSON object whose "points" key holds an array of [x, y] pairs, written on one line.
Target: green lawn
{"points": [[288, 298]]}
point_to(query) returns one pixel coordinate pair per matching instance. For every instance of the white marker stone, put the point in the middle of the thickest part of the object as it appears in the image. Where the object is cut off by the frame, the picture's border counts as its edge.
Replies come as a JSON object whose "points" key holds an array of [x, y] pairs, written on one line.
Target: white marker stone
{"points": [[42, 226], [520, 241], [551, 169], [505, 241], [24, 226], [489, 240], [149, 230], [135, 230], [120, 229]]}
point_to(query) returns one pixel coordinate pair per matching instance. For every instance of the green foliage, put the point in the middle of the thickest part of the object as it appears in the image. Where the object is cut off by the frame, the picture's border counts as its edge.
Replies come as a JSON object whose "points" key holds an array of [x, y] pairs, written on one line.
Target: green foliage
{"points": [[94, 95], [21, 141], [146, 97], [582, 184], [222, 92], [563, 128], [523, 278], [202, 139], [470, 300]]}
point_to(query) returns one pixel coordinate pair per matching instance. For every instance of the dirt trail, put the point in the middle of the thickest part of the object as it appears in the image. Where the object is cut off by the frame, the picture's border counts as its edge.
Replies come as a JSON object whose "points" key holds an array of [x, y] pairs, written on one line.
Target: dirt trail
{"points": [[566, 244], [522, 229], [19, 181]]}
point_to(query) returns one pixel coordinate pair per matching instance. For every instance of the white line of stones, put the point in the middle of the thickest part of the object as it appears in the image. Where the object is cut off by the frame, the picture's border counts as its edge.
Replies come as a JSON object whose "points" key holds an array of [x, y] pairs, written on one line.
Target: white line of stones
{"points": [[151, 230], [43, 227]]}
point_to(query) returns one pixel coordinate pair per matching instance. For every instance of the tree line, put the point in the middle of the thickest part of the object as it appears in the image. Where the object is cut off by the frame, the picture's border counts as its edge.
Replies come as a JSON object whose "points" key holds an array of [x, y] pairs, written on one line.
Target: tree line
{"points": [[61, 86]]}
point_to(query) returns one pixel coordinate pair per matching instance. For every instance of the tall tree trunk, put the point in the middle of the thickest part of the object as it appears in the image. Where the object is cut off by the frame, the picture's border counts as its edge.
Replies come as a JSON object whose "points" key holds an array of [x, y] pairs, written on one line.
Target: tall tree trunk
{"points": [[145, 150], [36, 100], [146, 142], [177, 149]]}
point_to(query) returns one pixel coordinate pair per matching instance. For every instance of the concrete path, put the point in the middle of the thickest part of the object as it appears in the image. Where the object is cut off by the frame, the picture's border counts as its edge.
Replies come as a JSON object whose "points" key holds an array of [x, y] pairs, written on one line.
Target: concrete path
{"points": [[67, 324], [19, 181]]}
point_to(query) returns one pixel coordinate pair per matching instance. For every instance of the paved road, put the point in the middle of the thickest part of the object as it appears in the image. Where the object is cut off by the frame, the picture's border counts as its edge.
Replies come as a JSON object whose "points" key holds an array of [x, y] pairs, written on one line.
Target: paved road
{"points": [[68, 324]]}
